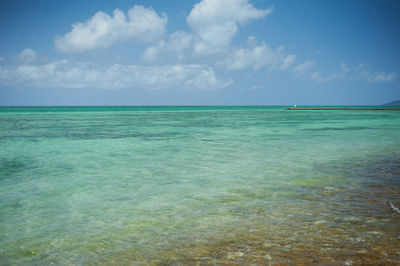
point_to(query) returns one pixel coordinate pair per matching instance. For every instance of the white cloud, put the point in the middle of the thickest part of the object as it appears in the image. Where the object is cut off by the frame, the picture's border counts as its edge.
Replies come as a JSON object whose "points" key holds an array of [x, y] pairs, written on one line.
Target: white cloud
{"points": [[362, 72], [152, 52], [179, 43], [288, 61], [103, 30], [204, 78], [215, 22], [343, 69], [26, 56], [317, 76], [304, 67], [383, 76], [258, 56], [64, 74]]}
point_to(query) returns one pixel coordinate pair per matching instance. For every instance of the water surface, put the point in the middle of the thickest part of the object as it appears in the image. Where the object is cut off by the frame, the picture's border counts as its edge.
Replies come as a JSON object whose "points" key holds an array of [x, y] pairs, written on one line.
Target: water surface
{"points": [[183, 185]]}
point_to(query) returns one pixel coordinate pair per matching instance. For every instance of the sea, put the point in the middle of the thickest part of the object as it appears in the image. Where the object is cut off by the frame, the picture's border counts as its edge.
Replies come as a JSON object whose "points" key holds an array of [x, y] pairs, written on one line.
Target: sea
{"points": [[208, 185]]}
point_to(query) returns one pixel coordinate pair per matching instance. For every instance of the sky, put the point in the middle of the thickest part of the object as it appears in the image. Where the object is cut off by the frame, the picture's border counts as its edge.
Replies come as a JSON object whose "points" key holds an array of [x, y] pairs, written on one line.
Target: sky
{"points": [[199, 52]]}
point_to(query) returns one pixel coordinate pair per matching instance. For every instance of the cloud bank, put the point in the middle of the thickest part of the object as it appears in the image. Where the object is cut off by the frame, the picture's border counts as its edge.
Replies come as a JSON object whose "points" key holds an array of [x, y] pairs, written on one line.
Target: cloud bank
{"points": [[360, 72], [66, 74]]}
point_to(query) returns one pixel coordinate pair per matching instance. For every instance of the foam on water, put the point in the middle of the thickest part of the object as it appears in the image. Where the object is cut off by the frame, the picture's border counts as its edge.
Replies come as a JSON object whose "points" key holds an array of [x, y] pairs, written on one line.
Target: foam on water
{"points": [[123, 185]]}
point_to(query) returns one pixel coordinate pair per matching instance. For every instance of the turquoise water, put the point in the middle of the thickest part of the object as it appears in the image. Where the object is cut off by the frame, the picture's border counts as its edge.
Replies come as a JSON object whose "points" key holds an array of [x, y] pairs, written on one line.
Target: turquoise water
{"points": [[185, 185]]}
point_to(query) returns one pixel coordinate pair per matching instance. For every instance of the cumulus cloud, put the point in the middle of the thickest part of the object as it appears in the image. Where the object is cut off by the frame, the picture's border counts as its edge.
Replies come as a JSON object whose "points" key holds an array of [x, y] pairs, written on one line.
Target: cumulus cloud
{"points": [[288, 61], [362, 72], [258, 56], [204, 78], [26, 56], [178, 43], [152, 52], [317, 76], [382, 76], [65, 74], [215, 22], [343, 69], [103, 30], [300, 69]]}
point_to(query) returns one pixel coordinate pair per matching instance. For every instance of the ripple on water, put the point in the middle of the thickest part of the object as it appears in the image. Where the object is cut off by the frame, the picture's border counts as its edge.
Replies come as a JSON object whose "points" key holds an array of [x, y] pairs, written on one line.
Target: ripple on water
{"points": [[208, 187]]}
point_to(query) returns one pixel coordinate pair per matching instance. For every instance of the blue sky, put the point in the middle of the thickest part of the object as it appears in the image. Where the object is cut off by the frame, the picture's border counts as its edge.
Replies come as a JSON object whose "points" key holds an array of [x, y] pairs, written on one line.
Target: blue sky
{"points": [[203, 52]]}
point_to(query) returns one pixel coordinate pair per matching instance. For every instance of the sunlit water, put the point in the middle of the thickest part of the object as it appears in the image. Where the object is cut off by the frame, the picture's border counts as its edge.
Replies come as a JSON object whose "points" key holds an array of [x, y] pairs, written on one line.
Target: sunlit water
{"points": [[185, 185]]}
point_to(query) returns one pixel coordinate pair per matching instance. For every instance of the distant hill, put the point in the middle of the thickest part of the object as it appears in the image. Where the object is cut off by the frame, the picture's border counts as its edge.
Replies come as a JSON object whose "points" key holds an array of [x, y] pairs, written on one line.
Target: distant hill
{"points": [[394, 103]]}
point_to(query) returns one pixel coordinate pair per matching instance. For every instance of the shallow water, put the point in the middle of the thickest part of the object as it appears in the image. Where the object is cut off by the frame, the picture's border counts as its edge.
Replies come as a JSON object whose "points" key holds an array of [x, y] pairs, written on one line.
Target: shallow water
{"points": [[186, 185]]}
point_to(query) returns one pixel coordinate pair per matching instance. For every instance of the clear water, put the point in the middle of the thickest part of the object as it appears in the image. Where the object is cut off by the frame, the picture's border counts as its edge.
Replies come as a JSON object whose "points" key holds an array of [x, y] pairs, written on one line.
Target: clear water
{"points": [[186, 185]]}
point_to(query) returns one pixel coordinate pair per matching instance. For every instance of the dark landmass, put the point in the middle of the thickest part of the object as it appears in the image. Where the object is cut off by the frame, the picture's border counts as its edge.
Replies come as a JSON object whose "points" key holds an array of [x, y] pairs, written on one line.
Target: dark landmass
{"points": [[394, 103]]}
